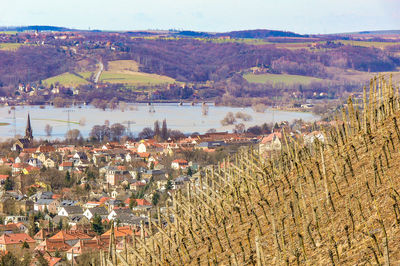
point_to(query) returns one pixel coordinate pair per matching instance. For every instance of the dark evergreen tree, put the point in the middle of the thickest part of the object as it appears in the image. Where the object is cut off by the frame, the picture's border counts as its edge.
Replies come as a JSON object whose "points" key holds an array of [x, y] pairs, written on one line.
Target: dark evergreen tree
{"points": [[164, 130], [67, 178], [157, 132], [189, 171], [8, 185], [155, 199], [97, 224], [25, 245]]}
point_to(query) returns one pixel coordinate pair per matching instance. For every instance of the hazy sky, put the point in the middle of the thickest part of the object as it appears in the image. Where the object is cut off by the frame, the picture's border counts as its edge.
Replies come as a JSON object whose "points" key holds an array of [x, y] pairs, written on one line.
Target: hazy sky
{"points": [[302, 16]]}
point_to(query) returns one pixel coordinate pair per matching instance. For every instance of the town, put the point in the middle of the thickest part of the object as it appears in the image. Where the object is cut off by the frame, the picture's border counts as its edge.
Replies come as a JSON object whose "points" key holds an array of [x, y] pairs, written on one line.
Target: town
{"points": [[60, 200]]}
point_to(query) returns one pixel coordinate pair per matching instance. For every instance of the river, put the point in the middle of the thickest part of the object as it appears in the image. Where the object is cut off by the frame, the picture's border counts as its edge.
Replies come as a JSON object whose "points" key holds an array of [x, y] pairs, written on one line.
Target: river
{"points": [[186, 118]]}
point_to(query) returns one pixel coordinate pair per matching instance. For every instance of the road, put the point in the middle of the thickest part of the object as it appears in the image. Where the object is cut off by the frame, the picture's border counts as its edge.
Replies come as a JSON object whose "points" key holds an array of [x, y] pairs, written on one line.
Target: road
{"points": [[101, 68]]}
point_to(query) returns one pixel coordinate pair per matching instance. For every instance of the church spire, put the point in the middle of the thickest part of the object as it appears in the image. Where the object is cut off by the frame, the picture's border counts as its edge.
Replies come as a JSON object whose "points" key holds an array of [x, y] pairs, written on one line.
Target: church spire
{"points": [[28, 130]]}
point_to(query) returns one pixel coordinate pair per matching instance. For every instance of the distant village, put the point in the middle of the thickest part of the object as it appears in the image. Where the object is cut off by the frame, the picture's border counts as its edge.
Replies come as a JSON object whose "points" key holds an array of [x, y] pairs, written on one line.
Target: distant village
{"points": [[58, 201]]}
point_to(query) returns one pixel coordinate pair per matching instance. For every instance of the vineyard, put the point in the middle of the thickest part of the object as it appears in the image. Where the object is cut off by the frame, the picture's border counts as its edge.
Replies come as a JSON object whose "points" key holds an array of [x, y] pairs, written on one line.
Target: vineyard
{"points": [[333, 202]]}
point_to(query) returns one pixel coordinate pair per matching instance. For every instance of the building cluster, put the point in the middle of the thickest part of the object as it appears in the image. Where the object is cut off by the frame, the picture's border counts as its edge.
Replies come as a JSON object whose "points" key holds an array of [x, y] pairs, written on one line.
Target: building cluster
{"points": [[113, 182]]}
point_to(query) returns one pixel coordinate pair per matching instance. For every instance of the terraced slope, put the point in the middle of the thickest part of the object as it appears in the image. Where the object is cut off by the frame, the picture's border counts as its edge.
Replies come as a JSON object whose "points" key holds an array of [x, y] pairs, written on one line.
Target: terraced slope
{"points": [[328, 203]]}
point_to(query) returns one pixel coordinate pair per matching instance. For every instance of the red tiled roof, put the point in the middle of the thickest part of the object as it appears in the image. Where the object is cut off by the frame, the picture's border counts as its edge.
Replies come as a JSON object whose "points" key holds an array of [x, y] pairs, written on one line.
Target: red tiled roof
{"points": [[138, 184], [270, 137], [104, 199], [45, 149], [52, 245], [180, 161], [143, 202], [69, 235], [9, 227], [88, 245], [52, 260], [66, 164], [120, 231], [7, 239], [144, 154]]}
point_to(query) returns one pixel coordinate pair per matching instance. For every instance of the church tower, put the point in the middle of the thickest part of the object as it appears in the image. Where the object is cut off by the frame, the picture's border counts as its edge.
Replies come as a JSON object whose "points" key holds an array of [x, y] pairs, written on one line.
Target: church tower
{"points": [[28, 130]]}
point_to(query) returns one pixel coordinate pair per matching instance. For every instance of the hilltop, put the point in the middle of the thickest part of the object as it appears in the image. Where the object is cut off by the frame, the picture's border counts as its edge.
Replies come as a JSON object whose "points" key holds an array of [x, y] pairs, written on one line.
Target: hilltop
{"points": [[335, 201], [241, 68]]}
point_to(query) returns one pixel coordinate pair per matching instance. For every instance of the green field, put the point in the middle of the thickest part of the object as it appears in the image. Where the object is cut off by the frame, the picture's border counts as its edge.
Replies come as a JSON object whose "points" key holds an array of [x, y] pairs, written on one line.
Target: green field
{"points": [[122, 66], [380, 45], [9, 32], [279, 78], [86, 75], [56, 120], [10, 46], [134, 78], [66, 79]]}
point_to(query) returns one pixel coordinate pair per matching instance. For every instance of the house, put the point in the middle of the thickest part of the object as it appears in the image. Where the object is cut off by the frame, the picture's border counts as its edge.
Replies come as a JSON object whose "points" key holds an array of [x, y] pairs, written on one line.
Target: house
{"points": [[136, 186], [122, 232], [42, 235], [18, 167], [310, 138], [179, 164], [70, 237], [206, 145], [113, 203], [114, 214], [154, 174], [70, 211], [10, 229], [180, 182], [53, 261], [66, 166], [49, 163], [15, 219], [272, 142], [45, 149], [14, 243], [42, 204], [141, 204], [101, 211], [91, 204], [66, 203], [142, 148], [84, 246], [35, 162], [52, 246]]}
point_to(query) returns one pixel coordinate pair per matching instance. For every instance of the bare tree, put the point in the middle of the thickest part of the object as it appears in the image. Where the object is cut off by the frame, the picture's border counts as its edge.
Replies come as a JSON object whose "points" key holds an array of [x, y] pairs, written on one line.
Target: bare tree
{"points": [[82, 121], [239, 128], [147, 133], [228, 120], [117, 130], [73, 135], [48, 129]]}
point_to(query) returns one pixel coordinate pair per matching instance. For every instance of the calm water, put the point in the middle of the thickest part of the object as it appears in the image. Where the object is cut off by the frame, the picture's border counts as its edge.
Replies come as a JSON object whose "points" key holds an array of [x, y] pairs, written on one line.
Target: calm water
{"points": [[185, 118]]}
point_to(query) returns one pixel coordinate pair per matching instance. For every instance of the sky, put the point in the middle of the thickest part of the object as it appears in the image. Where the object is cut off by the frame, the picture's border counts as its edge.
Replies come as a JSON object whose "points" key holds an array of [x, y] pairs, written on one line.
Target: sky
{"points": [[301, 16]]}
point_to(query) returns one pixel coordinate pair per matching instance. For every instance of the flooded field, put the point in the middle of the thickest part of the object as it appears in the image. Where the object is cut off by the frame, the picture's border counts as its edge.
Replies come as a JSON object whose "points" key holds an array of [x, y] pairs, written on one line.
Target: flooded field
{"points": [[186, 118]]}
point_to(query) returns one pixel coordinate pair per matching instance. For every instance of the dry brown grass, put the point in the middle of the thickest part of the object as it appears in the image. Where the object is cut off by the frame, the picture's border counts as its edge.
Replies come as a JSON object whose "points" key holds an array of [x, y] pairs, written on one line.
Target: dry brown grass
{"points": [[325, 204]]}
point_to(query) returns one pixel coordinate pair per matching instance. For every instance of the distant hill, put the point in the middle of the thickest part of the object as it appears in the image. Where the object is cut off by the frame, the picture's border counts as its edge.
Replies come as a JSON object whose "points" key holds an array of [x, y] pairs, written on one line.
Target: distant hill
{"points": [[194, 34], [34, 28], [259, 34], [374, 32]]}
